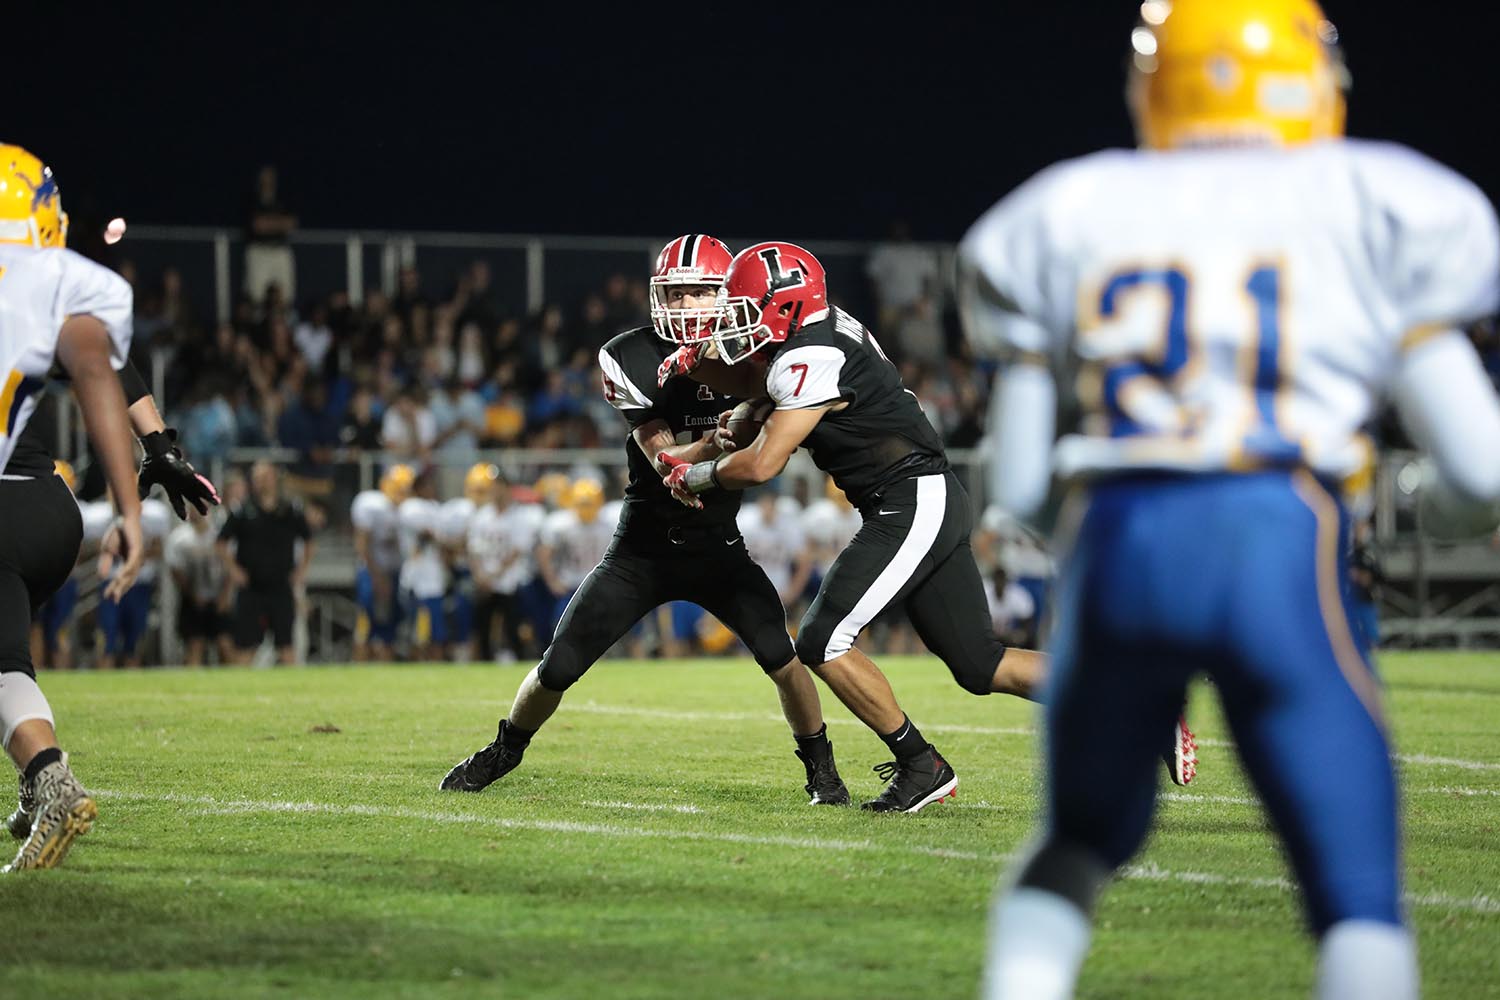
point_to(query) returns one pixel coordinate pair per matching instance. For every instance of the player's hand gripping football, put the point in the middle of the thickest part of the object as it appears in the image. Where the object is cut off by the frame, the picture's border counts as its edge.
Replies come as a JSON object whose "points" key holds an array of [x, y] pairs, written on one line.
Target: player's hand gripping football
{"points": [[722, 437], [679, 362], [126, 543], [676, 480], [165, 466]]}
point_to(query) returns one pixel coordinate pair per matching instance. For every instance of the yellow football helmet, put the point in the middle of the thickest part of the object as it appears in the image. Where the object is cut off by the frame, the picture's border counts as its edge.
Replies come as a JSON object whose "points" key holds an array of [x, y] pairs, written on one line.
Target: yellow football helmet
{"points": [[553, 488], [65, 472], [1231, 72], [397, 482], [479, 481], [30, 204], [585, 497]]}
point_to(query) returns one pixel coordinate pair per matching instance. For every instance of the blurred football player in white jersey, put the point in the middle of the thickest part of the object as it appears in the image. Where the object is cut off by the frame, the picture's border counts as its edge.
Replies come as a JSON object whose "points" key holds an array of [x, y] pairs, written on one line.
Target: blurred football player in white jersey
{"points": [[453, 535], [122, 623], [1232, 303], [377, 546], [572, 542], [424, 571], [502, 538], [773, 535], [57, 310], [191, 555]]}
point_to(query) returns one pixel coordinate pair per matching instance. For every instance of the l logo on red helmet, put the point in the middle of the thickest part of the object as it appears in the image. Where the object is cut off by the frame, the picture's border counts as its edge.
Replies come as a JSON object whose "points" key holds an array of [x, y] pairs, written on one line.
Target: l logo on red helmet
{"points": [[779, 279]]}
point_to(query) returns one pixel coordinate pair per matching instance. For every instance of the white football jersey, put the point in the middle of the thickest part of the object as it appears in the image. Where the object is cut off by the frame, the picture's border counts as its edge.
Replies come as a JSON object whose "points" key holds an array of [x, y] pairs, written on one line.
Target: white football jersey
{"points": [[830, 527], [372, 512], [156, 524], [1235, 308], [453, 521], [39, 289], [502, 543], [776, 545], [193, 554], [424, 572], [97, 516], [576, 546]]}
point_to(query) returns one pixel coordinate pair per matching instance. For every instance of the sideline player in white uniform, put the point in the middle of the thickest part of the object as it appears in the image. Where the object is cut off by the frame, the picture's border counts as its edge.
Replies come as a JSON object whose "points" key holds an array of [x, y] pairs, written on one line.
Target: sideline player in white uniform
{"points": [[453, 535], [377, 545], [773, 535], [572, 542], [1239, 297], [56, 309], [502, 540], [424, 573], [122, 623], [191, 555]]}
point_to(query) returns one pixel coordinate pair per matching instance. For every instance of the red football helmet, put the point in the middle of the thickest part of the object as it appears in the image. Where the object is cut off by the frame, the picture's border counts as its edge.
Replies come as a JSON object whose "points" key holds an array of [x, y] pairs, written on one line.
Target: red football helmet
{"points": [[772, 290], [687, 260]]}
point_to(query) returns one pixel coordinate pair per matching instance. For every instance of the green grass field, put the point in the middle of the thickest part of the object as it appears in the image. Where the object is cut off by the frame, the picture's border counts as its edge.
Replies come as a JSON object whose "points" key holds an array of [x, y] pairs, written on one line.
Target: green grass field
{"points": [[279, 834]]}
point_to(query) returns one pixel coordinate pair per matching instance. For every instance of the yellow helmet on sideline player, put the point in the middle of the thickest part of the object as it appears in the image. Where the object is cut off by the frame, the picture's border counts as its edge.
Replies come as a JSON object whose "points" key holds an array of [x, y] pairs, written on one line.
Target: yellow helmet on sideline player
{"points": [[479, 481], [65, 472], [586, 497], [30, 204], [1235, 72], [397, 482], [554, 490]]}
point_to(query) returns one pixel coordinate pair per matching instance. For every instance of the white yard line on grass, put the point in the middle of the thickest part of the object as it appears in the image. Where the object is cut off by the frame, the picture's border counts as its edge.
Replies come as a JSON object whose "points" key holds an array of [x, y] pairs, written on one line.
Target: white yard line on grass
{"points": [[1478, 903], [937, 727]]}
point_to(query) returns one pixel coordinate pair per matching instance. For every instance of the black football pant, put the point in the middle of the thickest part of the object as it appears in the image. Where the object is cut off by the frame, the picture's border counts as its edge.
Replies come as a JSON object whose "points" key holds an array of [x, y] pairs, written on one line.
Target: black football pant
{"points": [[913, 547], [713, 571], [488, 604], [40, 532]]}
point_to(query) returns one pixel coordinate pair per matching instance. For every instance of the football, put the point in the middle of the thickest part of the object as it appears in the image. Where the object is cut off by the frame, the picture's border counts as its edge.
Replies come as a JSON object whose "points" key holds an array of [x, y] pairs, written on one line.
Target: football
{"points": [[747, 419]]}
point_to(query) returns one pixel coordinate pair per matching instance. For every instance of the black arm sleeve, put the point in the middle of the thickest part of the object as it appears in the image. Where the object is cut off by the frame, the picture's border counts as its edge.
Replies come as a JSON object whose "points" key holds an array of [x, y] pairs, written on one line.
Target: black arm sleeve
{"points": [[133, 384]]}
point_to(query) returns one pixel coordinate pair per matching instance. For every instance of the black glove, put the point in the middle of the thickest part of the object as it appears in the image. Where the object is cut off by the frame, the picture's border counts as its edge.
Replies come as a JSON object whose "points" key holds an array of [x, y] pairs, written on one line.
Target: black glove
{"points": [[165, 466]]}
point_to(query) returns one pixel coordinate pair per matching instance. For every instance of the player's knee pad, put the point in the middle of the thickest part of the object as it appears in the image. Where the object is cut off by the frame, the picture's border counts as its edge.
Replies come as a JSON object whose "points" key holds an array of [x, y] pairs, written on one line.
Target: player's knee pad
{"points": [[975, 674], [21, 700], [815, 645], [561, 666]]}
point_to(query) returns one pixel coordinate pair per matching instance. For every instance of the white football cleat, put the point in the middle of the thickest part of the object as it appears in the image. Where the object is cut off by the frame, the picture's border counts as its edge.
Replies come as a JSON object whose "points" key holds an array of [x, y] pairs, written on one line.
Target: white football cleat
{"points": [[63, 811], [1182, 755]]}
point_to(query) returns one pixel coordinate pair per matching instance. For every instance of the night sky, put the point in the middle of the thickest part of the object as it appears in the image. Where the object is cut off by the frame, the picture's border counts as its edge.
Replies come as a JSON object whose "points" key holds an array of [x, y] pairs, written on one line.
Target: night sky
{"points": [[774, 119]]}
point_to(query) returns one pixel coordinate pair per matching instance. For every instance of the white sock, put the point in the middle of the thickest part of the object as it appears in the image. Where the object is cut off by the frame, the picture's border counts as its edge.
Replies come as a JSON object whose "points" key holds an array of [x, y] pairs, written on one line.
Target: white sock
{"points": [[1367, 960], [20, 701], [1038, 941]]}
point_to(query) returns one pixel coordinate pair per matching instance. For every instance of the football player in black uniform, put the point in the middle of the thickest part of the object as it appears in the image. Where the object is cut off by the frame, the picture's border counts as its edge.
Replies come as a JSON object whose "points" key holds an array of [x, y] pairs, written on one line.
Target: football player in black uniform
{"points": [[837, 395], [662, 552]]}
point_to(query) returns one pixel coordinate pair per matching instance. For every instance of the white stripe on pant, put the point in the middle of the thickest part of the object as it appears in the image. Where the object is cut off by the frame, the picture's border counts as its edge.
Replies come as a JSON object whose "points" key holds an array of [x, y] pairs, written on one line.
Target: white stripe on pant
{"points": [[932, 502]]}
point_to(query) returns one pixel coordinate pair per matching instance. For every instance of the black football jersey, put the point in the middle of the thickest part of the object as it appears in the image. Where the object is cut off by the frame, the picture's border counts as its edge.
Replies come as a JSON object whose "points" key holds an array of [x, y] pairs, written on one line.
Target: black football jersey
{"points": [[629, 363], [882, 436]]}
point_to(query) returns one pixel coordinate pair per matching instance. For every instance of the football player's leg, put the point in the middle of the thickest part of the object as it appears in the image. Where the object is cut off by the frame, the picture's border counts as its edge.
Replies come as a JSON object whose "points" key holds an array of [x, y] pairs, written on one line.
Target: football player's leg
{"points": [[1101, 755], [1302, 695], [951, 615], [891, 554], [741, 596], [248, 629], [611, 599]]}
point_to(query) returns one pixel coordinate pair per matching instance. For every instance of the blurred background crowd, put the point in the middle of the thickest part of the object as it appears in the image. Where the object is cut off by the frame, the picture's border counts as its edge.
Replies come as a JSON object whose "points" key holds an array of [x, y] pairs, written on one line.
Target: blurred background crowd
{"points": [[441, 371]]}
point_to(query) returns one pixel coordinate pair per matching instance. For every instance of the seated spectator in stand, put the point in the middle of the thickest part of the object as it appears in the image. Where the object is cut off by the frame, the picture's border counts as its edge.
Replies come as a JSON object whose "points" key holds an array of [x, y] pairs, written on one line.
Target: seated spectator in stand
{"points": [[362, 423], [268, 254], [408, 428], [475, 299], [307, 426], [460, 417], [207, 429], [553, 402], [472, 364], [314, 337], [900, 273]]}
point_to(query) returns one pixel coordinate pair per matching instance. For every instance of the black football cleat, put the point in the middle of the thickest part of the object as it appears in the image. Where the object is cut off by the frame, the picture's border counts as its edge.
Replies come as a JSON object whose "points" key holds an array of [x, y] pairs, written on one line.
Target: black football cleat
{"points": [[914, 783], [486, 766], [824, 786]]}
